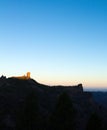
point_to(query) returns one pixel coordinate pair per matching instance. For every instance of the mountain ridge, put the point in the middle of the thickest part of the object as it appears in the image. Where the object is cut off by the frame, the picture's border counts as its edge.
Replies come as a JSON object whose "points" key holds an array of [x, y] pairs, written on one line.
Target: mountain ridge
{"points": [[14, 92]]}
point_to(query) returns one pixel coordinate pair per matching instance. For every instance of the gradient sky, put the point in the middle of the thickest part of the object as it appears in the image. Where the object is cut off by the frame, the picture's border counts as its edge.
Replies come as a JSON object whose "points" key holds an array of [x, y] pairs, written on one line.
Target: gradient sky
{"points": [[58, 41]]}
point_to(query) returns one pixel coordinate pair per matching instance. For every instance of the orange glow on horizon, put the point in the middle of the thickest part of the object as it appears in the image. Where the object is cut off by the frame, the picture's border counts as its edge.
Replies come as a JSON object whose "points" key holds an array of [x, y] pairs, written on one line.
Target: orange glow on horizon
{"points": [[86, 84]]}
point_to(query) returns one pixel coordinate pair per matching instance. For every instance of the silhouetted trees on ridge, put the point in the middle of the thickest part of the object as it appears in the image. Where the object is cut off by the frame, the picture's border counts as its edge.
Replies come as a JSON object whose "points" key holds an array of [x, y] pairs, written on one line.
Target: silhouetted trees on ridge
{"points": [[29, 117], [63, 115]]}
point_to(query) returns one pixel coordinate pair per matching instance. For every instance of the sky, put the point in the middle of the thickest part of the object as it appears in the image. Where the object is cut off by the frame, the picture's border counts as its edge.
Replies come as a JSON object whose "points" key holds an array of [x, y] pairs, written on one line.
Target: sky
{"points": [[59, 41]]}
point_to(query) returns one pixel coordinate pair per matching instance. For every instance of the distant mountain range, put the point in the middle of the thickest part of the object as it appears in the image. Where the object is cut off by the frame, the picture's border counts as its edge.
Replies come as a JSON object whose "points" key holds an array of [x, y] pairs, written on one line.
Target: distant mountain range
{"points": [[27, 104], [100, 97]]}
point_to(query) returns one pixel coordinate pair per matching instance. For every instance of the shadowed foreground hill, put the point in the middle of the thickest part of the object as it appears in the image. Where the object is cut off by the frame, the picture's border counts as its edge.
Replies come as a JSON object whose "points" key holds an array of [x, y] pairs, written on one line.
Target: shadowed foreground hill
{"points": [[29, 105]]}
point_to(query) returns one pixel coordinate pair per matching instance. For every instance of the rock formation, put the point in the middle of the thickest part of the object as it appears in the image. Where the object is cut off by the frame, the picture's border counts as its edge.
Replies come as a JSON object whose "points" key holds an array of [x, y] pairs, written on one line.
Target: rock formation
{"points": [[24, 77]]}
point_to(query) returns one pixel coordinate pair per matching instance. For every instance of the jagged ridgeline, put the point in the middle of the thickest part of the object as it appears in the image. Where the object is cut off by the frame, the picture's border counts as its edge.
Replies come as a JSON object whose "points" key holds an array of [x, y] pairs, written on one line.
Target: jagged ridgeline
{"points": [[29, 105]]}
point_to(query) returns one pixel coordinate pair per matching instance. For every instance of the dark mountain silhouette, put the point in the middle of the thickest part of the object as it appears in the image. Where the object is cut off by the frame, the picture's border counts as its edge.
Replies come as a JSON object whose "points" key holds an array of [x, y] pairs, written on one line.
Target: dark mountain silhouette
{"points": [[94, 122], [29, 105]]}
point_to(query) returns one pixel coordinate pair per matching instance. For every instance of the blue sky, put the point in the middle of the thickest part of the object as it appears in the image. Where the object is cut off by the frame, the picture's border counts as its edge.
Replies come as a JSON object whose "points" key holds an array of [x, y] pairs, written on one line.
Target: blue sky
{"points": [[58, 41]]}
